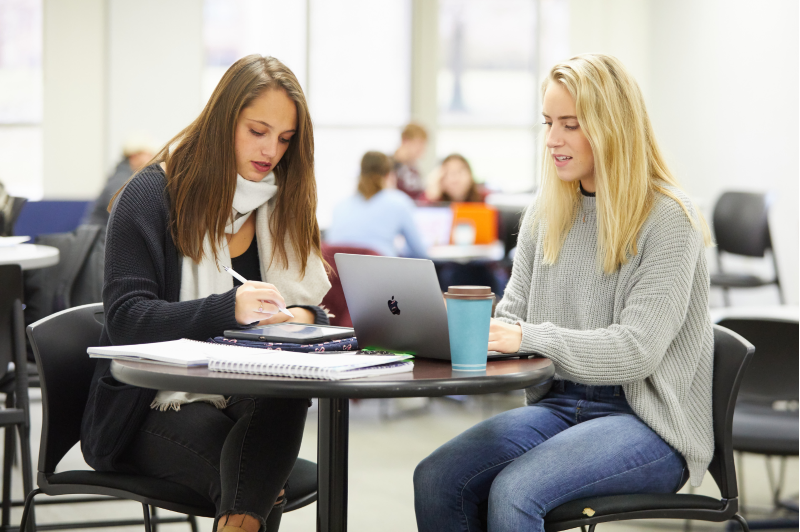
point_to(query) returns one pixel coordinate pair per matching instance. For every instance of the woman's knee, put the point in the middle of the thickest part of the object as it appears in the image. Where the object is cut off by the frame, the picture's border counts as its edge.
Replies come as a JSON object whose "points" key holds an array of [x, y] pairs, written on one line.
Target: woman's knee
{"points": [[434, 474], [514, 499]]}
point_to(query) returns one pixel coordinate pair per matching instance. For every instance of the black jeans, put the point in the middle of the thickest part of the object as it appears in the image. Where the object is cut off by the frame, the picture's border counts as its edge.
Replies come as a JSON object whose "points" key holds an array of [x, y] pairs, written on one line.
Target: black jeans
{"points": [[238, 458]]}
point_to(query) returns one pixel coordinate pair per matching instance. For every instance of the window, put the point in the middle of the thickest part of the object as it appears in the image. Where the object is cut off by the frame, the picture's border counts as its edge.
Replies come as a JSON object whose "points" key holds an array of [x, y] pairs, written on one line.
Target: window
{"points": [[352, 58], [21, 102], [492, 57]]}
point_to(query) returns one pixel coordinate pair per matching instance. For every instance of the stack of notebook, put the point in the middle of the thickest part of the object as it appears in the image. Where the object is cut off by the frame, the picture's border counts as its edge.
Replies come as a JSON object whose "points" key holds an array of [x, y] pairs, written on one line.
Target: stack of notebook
{"points": [[238, 359]]}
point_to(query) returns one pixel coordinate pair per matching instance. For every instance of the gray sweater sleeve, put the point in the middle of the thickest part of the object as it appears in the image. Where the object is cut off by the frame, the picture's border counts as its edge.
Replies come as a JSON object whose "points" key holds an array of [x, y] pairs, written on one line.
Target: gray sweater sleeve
{"points": [[654, 310]]}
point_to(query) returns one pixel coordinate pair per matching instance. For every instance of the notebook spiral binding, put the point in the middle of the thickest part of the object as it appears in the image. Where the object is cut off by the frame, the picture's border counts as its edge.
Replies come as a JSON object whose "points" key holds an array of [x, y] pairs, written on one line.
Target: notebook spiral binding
{"points": [[276, 370]]}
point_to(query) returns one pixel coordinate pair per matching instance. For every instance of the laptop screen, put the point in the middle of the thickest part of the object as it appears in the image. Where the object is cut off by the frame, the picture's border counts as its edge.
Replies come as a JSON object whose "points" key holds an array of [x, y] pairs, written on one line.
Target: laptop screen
{"points": [[434, 224]]}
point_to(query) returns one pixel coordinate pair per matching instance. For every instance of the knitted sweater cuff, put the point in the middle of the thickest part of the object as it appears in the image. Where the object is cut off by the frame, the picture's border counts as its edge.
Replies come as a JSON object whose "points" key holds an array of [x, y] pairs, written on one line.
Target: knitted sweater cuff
{"points": [[534, 338], [320, 316]]}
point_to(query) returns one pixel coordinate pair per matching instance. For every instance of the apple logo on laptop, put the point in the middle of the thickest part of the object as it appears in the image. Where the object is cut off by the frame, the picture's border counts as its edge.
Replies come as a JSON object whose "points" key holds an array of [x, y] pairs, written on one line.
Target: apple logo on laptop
{"points": [[393, 307]]}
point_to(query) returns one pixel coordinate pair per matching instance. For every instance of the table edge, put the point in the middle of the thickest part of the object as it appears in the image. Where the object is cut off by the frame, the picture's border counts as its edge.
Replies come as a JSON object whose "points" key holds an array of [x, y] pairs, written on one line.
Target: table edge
{"points": [[356, 388]]}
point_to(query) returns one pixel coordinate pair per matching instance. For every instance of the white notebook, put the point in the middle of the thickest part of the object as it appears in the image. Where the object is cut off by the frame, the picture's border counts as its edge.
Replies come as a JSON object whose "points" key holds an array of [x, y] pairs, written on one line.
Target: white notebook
{"points": [[176, 352], [240, 359], [311, 365]]}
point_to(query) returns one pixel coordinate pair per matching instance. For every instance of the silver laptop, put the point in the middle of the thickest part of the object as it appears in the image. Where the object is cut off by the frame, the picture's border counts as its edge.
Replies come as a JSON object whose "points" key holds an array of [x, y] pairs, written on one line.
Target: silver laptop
{"points": [[396, 305]]}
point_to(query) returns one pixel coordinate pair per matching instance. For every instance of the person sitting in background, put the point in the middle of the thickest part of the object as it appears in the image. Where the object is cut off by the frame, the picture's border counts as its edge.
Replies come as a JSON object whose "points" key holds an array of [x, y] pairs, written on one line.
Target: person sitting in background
{"points": [[377, 214], [136, 153], [413, 142], [453, 181]]}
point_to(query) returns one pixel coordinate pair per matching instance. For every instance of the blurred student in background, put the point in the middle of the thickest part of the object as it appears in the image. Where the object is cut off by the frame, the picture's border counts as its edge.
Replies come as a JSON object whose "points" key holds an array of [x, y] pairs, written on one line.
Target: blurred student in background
{"points": [[453, 181], [137, 151], [414, 140], [376, 214]]}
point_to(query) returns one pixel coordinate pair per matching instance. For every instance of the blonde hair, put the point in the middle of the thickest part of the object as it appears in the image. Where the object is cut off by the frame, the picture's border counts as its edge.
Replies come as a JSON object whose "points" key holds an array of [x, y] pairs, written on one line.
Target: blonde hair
{"points": [[139, 142], [629, 167], [375, 166], [413, 131]]}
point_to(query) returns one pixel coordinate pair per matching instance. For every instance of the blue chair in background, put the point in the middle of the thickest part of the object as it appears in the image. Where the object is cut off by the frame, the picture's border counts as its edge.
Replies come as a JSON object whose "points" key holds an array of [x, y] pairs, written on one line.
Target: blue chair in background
{"points": [[50, 216]]}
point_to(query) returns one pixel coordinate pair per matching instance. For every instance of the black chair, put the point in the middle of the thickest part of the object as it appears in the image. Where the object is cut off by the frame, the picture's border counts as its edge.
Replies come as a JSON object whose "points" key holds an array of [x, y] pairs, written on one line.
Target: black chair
{"points": [[741, 227], [766, 420], [59, 344], [10, 214], [732, 353], [15, 387]]}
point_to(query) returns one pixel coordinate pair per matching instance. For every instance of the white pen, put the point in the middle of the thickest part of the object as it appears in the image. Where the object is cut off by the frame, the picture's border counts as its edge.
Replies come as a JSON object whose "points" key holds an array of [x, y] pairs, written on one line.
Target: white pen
{"points": [[243, 280]]}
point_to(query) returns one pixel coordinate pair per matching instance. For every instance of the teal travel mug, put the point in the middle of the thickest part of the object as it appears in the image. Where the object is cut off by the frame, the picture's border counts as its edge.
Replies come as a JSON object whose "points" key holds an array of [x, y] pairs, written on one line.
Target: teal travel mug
{"points": [[469, 311]]}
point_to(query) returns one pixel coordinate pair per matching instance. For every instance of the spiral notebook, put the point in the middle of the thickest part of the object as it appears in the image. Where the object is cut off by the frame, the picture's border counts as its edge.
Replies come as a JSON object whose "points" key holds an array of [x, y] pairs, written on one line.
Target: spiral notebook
{"points": [[310, 365], [259, 361]]}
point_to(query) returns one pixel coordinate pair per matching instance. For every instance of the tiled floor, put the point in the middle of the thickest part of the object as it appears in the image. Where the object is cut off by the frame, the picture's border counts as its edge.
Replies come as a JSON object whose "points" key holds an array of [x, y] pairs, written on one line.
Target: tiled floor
{"points": [[383, 453]]}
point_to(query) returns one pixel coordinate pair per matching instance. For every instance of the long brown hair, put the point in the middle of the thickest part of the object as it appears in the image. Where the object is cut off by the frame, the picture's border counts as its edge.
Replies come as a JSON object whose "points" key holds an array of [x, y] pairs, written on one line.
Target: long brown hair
{"points": [[201, 167], [375, 166], [473, 194]]}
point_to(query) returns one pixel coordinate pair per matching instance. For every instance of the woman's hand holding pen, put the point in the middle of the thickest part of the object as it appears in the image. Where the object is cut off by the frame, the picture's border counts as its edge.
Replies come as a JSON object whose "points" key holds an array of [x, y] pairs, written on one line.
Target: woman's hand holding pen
{"points": [[504, 337], [255, 299]]}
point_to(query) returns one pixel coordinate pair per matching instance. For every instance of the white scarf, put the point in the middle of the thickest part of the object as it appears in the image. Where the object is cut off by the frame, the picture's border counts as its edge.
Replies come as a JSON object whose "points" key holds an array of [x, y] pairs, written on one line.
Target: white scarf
{"points": [[199, 280]]}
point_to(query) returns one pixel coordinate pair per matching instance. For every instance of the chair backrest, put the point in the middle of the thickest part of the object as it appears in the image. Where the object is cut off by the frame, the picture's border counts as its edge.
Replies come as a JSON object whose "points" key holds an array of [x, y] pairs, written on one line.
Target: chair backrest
{"points": [[65, 372], [334, 300], [773, 374], [49, 216], [11, 281], [732, 354], [741, 224], [9, 213]]}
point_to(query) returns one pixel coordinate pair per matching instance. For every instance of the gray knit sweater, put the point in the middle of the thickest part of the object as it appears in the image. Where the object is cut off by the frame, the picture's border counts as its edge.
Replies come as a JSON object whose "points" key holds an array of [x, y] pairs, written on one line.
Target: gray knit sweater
{"points": [[645, 327]]}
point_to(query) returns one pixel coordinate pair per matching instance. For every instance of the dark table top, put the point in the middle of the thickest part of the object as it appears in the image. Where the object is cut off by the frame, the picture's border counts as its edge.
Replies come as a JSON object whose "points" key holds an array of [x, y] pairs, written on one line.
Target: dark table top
{"points": [[430, 378]]}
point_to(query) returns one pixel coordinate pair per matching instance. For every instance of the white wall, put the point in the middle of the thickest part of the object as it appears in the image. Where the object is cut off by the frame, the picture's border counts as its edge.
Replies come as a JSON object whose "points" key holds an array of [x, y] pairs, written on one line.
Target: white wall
{"points": [[721, 82], [155, 69], [74, 60], [112, 68], [616, 27]]}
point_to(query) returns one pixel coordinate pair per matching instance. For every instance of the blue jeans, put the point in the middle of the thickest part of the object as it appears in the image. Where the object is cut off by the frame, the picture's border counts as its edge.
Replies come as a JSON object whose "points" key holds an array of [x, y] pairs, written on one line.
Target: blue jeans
{"points": [[507, 472]]}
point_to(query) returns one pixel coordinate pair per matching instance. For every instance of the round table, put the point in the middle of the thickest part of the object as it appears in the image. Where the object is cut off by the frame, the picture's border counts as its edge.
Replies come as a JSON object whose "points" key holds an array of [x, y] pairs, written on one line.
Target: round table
{"points": [[430, 378], [464, 254], [29, 256]]}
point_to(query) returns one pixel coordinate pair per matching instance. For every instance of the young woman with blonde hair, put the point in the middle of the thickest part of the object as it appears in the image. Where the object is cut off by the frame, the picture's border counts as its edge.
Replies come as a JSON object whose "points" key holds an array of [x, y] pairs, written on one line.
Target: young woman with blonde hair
{"points": [[236, 187], [610, 283]]}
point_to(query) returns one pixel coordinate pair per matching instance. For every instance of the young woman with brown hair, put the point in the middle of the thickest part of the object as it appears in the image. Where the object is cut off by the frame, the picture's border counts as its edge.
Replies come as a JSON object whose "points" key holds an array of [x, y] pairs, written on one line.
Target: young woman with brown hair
{"points": [[454, 182], [236, 188]]}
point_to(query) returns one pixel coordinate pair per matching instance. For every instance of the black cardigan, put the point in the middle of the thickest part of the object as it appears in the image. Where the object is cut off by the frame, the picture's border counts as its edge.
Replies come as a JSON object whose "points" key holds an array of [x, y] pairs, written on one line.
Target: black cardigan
{"points": [[141, 293]]}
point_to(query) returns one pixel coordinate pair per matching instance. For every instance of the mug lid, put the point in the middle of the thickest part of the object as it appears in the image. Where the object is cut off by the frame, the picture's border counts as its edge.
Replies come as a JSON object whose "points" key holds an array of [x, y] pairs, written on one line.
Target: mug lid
{"points": [[469, 292]]}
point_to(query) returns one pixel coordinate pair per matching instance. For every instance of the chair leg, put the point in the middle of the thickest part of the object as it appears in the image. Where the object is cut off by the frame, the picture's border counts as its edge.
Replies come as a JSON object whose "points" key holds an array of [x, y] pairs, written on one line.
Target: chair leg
{"points": [[742, 522], [28, 507], [687, 524], [154, 517], [592, 527], [192, 522], [739, 461], [27, 470], [8, 464], [146, 510], [775, 486]]}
